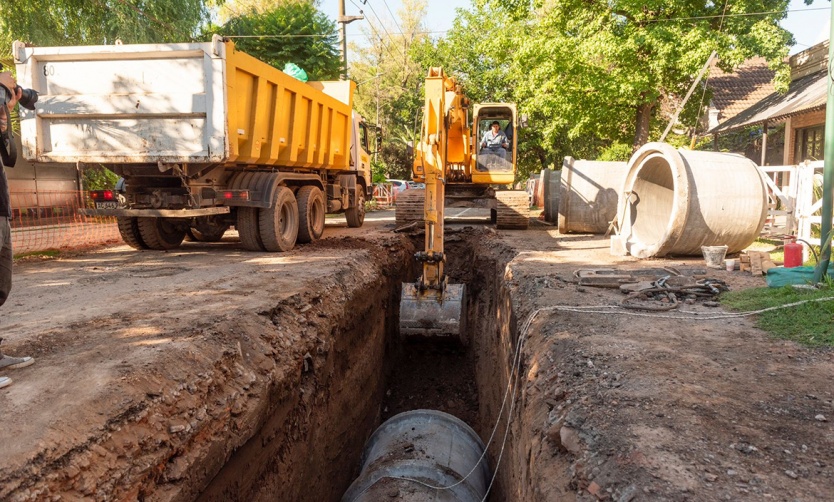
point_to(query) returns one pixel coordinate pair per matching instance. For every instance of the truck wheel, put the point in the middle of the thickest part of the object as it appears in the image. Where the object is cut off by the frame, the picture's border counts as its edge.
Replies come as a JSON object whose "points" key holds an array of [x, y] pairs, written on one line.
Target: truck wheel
{"points": [[279, 223], [356, 215], [160, 233], [247, 228], [411, 206], [512, 210], [129, 230], [310, 213], [207, 230]]}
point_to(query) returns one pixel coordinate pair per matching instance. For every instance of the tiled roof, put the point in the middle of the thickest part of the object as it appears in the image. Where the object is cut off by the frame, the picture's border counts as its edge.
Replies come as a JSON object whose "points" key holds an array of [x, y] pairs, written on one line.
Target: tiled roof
{"points": [[734, 92], [804, 95]]}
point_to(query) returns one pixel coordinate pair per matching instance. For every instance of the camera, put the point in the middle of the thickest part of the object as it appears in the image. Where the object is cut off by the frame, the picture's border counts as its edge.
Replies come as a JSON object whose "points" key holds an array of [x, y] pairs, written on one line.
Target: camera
{"points": [[28, 97]]}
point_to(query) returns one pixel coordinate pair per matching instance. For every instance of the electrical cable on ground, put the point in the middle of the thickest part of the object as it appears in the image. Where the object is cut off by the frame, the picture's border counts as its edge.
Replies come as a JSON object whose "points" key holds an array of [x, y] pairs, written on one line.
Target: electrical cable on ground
{"points": [[600, 309]]}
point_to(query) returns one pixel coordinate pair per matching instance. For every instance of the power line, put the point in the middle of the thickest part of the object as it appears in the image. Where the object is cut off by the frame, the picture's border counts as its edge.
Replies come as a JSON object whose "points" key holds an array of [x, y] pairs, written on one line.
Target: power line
{"points": [[385, 45], [296, 35], [382, 25], [402, 33], [392, 16], [740, 14]]}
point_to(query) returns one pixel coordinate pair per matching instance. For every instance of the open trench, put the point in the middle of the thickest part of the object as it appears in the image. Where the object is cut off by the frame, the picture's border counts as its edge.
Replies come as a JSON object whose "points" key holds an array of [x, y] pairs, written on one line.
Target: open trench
{"points": [[313, 429]]}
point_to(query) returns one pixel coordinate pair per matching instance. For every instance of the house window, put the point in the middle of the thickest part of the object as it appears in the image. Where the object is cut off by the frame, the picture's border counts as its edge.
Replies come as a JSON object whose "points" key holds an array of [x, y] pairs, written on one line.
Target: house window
{"points": [[810, 143]]}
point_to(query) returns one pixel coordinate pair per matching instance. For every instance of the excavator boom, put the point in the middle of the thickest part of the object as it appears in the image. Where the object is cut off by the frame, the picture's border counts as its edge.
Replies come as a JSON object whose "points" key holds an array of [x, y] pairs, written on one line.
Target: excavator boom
{"points": [[430, 307], [445, 160]]}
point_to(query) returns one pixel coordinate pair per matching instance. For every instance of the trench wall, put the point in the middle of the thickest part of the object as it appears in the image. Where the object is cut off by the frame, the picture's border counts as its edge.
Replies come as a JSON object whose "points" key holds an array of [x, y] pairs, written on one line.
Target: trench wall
{"points": [[308, 441], [305, 443]]}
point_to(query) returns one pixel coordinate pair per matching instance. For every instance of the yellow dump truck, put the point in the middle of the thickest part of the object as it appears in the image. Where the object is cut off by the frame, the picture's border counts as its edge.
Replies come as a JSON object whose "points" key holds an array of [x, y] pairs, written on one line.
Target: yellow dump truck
{"points": [[204, 137]]}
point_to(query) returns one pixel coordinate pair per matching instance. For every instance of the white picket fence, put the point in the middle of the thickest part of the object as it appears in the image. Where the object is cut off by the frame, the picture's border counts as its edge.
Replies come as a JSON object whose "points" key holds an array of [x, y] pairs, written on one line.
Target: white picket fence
{"points": [[792, 201]]}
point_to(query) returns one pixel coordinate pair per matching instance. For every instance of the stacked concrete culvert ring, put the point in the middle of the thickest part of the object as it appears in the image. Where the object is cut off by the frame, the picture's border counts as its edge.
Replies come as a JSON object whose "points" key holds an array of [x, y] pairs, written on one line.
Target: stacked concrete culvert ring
{"points": [[419, 456], [675, 201]]}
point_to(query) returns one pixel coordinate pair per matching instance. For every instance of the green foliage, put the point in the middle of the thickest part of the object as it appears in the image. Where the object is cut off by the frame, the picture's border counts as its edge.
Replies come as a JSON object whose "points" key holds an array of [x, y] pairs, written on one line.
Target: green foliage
{"points": [[294, 31], [90, 22], [396, 160], [99, 178], [617, 151], [582, 70], [809, 323], [390, 74], [378, 172]]}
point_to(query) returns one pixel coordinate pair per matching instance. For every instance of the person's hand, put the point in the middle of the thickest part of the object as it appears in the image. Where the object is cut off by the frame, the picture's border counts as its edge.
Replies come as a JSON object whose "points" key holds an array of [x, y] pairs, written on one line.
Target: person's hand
{"points": [[8, 81]]}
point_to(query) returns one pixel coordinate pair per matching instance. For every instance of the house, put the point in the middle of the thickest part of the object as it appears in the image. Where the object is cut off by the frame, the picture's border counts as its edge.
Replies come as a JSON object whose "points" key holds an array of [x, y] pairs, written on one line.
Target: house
{"points": [[800, 111], [732, 93]]}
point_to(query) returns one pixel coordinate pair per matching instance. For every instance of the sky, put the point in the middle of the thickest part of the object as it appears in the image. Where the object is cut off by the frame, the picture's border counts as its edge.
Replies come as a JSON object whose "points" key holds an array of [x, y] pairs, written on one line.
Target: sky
{"points": [[808, 23]]}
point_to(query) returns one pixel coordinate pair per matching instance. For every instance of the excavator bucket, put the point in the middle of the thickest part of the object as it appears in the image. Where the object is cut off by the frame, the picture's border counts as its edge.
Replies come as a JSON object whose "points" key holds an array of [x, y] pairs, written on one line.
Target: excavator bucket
{"points": [[432, 314]]}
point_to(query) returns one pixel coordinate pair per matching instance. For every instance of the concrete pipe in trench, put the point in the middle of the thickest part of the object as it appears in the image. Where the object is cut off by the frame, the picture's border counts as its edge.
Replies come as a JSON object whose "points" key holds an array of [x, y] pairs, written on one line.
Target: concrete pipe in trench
{"points": [[419, 448], [675, 201]]}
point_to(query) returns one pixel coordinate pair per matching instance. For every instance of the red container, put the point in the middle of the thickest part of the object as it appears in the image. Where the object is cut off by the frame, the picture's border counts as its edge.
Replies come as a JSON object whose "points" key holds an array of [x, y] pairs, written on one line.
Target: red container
{"points": [[793, 254]]}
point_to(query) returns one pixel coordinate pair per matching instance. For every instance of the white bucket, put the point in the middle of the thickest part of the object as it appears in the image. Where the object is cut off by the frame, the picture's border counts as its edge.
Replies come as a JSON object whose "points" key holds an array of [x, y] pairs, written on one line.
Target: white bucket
{"points": [[714, 255]]}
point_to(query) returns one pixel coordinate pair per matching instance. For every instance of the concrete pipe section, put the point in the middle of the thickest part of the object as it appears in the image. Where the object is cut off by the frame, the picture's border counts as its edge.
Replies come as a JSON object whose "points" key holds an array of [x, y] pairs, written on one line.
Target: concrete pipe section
{"points": [[589, 194], [416, 450], [675, 201]]}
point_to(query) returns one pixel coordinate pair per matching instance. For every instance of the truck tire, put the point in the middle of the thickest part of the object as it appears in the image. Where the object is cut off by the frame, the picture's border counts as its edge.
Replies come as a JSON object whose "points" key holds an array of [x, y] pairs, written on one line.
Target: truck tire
{"points": [[411, 206], [310, 213], [512, 210], [279, 223], [129, 230], [207, 230], [160, 233], [356, 215], [248, 229]]}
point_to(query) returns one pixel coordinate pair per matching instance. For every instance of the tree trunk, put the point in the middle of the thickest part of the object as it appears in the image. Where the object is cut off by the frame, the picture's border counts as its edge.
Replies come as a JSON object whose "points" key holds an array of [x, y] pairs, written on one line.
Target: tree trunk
{"points": [[641, 133]]}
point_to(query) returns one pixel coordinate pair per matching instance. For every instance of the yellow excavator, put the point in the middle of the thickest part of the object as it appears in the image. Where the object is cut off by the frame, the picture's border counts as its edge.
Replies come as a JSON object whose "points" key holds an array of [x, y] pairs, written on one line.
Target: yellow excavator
{"points": [[459, 166]]}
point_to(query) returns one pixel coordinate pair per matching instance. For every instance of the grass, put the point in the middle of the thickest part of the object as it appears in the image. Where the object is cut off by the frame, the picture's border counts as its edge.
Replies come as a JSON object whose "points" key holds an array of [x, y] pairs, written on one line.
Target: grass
{"points": [[810, 324], [35, 255]]}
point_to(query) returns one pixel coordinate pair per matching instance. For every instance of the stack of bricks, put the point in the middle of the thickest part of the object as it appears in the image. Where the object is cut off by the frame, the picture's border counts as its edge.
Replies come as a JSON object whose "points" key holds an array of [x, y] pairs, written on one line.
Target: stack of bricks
{"points": [[757, 262]]}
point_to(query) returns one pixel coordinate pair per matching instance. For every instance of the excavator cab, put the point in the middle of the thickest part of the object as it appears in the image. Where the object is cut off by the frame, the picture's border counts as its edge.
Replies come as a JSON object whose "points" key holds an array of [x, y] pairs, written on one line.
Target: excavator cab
{"points": [[494, 164]]}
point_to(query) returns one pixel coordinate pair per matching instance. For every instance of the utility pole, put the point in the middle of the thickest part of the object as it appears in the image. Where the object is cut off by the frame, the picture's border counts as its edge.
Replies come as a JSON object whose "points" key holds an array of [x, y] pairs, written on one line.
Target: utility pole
{"points": [[828, 171], [343, 21]]}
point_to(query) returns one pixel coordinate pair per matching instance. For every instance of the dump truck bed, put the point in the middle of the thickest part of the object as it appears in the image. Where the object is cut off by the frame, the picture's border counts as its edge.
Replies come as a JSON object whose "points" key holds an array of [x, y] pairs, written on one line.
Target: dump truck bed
{"points": [[198, 103]]}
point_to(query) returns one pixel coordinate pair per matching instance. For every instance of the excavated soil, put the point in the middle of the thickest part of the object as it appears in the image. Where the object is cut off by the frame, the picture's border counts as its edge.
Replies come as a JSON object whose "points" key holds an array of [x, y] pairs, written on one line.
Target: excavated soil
{"points": [[217, 374]]}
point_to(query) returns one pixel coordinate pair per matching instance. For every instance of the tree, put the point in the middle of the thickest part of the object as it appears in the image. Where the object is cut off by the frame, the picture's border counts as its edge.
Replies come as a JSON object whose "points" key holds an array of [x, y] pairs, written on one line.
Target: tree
{"points": [[480, 51], [390, 79], [85, 22], [602, 69], [294, 31]]}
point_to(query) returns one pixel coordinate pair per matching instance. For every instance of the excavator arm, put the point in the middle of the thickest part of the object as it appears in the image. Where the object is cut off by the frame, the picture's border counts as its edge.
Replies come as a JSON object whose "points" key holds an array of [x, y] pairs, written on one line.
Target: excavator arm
{"points": [[431, 307]]}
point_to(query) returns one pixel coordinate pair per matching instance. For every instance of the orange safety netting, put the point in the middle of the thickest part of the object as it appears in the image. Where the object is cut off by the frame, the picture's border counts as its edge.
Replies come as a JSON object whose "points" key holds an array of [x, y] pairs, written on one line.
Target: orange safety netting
{"points": [[44, 220]]}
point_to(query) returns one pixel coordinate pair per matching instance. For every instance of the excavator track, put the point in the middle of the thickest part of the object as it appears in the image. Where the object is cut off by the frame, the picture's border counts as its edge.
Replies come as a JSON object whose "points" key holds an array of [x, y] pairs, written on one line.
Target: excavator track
{"points": [[410, 206], [512, 210]]}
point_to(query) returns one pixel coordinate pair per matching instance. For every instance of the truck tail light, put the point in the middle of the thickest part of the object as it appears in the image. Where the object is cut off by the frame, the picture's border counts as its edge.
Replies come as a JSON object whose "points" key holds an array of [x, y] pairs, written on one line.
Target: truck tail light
{"points": [[102, 195], [232, 195]]}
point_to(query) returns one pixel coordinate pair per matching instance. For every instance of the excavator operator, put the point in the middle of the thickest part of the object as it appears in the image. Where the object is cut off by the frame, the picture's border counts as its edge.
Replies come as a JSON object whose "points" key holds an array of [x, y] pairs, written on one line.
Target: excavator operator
{"points": [[495, 141], [494, 147]]}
